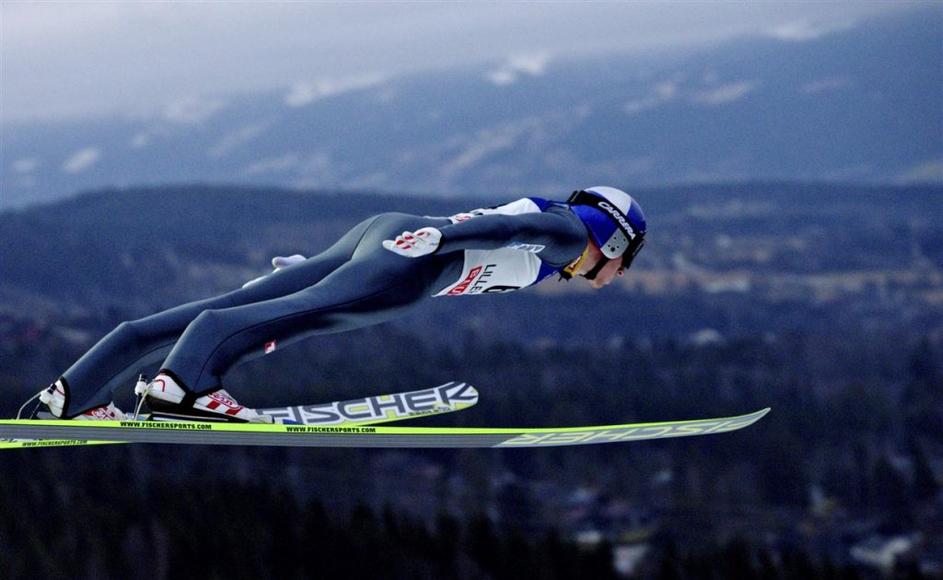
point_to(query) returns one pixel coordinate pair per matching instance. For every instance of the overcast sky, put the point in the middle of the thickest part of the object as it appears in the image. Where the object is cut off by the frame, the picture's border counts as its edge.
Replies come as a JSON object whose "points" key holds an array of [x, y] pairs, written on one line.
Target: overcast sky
{"points": [[74, 59]]}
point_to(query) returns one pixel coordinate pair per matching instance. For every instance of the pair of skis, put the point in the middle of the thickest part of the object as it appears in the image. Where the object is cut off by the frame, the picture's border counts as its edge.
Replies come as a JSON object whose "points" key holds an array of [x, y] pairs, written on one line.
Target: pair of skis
{"points": [[354, 423], [446, 398]]}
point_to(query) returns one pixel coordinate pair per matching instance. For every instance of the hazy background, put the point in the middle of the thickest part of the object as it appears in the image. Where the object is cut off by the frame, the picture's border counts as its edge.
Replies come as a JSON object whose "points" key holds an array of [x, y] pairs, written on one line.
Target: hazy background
{"points": [[468, 98], [76, 59], [789, 157]]}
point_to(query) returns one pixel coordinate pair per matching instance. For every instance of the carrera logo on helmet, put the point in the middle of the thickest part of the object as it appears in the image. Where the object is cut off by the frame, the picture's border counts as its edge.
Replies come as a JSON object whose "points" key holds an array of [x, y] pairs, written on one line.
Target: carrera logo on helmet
{"points": [[615, 213]]}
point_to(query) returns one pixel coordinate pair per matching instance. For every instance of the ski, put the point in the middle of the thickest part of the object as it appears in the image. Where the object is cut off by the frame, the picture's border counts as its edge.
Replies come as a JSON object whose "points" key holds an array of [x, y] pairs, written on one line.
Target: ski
{"points": [[281, 434], [445, 398]]}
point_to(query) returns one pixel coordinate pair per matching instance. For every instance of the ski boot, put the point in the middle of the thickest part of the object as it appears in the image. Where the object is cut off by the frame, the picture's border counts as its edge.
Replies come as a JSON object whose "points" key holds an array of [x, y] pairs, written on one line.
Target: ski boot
{"points": [[54, 398], [107, 412], [168, 399]]}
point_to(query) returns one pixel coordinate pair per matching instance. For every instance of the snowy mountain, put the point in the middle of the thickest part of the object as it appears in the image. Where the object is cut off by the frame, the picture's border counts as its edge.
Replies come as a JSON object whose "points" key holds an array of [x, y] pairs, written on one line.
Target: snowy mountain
{"points": [[861, 104]]}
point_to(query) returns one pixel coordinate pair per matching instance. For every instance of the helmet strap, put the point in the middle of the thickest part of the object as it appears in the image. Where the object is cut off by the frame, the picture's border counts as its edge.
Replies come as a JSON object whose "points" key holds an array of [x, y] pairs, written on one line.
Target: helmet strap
{"points": [[591, 275], [568, 272]]}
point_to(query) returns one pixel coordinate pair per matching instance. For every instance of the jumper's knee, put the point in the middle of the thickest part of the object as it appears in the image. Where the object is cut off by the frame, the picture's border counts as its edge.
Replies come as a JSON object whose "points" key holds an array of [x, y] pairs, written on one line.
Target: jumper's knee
{"points": [[208, 321]]}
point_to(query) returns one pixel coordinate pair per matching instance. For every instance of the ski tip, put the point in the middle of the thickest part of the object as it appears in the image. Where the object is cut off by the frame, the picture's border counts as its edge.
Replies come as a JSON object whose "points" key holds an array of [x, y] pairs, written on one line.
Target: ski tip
{"points": [[466, 390], [759, 414]]}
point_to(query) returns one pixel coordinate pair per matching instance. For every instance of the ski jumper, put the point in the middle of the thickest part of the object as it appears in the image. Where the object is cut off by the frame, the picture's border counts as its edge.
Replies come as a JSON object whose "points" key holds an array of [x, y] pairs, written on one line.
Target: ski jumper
{"points": [[354, 283]]}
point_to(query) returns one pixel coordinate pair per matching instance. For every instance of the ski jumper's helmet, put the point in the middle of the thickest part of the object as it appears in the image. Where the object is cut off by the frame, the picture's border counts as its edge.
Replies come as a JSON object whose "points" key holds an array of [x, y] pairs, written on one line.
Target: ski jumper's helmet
{"points": [[615, 222]]}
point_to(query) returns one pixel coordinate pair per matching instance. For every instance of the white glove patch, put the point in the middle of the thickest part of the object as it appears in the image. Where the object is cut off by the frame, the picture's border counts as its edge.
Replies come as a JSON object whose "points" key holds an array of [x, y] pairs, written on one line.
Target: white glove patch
{"points": [[422, 242]]}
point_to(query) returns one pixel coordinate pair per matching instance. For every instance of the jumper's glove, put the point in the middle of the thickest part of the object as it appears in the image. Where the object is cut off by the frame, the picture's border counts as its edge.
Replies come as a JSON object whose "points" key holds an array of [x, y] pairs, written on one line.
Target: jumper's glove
{"points": [[422, 242], [278, 262]]}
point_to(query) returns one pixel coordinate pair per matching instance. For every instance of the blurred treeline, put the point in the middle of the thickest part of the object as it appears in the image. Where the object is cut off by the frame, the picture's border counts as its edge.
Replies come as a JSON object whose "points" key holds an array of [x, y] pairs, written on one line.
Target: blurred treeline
{"points": [[88, 524], [158, 506], [91, 524]]}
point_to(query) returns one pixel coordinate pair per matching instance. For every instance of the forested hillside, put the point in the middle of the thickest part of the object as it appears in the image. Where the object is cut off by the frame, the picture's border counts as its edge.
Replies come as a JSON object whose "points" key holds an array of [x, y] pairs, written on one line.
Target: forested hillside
{"points": [[823, 303]]}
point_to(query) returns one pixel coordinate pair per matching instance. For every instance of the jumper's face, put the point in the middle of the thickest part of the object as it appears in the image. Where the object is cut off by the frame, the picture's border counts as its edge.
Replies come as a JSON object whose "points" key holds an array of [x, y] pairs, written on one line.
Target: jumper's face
{"points": [[608, 273]]}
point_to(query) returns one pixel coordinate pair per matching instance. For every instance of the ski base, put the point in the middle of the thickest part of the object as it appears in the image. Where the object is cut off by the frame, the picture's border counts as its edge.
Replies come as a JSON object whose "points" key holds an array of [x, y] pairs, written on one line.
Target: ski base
{"points": [[205, 433]]}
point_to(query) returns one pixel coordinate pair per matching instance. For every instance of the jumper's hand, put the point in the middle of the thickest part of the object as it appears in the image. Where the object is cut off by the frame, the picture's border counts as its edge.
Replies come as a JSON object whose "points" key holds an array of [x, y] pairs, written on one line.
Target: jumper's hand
{"points": [[422, 242], [278, 262]]}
